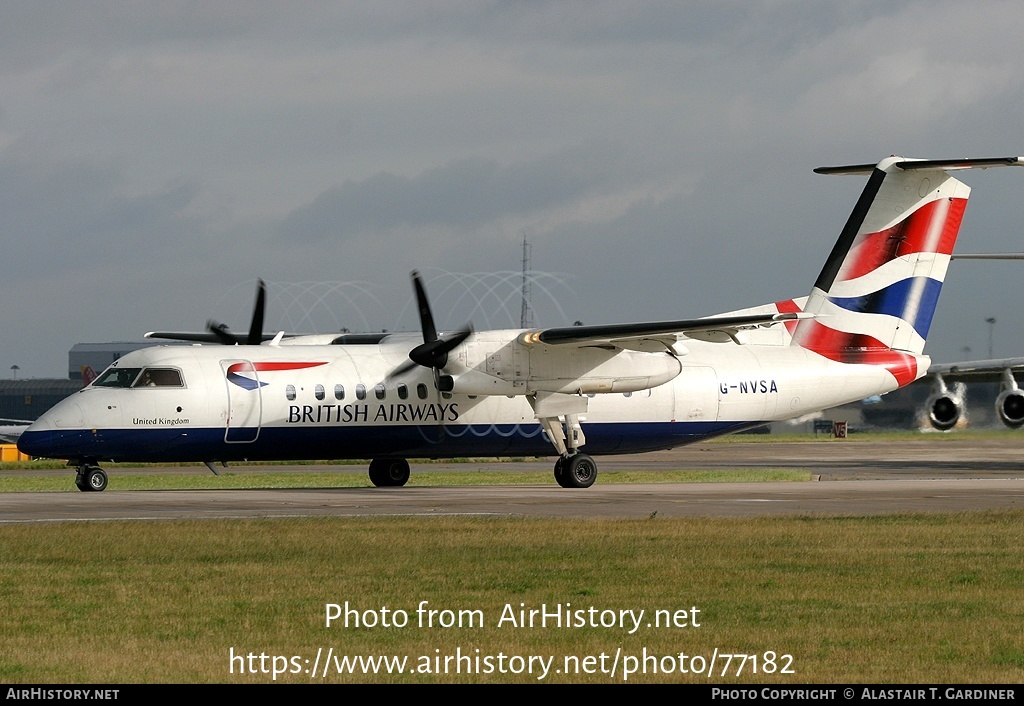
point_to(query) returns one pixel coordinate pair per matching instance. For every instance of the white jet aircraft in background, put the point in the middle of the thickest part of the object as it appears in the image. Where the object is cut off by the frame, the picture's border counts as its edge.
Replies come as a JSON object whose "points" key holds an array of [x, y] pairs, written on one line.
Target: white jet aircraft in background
{"points": [[620, 388], [11, 429], [947, 404]]}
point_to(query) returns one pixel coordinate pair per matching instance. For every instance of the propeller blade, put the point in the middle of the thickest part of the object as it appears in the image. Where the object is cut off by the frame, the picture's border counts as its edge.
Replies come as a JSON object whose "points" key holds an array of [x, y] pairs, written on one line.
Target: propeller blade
{"points": [[222, 333], [255, 336], [426, 318], [459, 336], [217, 332]]}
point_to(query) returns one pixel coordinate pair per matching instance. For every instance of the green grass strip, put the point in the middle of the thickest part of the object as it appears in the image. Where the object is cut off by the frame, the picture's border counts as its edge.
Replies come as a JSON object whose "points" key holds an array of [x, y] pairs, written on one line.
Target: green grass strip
{"points": [[898, 599], [236, 480]]}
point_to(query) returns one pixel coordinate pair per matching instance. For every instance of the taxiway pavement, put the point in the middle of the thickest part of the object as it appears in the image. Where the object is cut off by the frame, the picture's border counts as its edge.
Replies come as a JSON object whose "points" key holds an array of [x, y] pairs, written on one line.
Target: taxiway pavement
{"points": [[862, 477]]}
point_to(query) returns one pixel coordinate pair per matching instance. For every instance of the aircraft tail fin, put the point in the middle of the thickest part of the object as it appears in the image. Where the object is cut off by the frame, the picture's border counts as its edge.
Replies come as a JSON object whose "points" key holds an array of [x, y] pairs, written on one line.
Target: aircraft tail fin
{"points": [[874, 299]]}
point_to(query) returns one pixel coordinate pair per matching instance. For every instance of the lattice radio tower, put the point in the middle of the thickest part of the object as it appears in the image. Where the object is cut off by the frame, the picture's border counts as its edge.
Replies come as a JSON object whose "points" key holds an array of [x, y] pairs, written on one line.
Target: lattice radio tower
{"points": [[526, 312]]}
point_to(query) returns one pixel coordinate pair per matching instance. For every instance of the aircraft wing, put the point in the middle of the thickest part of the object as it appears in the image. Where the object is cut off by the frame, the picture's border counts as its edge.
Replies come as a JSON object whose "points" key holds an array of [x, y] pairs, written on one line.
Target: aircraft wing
{"points": [[976, 370], [641, 336], [194, 336]]}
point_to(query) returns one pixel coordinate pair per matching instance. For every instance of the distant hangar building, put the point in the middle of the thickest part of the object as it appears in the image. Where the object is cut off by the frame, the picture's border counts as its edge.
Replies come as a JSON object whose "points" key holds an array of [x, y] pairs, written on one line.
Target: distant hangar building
{"points": [[28, 399], [96, 357]]}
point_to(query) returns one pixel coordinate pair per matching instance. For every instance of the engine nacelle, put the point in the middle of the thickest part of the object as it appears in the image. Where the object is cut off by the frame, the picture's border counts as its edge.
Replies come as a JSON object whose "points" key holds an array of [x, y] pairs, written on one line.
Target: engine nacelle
{"points": [[944, 410], [1010, 408], [491, 364], [656, 370]]}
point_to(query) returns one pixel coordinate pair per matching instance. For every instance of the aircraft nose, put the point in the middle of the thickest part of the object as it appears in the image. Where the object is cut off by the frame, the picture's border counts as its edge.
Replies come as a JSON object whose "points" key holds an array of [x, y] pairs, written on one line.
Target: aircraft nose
{"points": [[43, 438], [37, 440]]}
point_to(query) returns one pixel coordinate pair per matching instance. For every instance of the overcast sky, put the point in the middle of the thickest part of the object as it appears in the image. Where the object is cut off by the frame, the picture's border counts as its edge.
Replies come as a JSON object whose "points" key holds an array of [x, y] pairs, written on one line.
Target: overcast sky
{"points": [[156, 158]]}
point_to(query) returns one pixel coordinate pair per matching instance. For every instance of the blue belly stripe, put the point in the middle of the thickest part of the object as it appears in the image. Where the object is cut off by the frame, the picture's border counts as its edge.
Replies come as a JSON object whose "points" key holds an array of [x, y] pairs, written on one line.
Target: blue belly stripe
{"points": [[319, 442]]}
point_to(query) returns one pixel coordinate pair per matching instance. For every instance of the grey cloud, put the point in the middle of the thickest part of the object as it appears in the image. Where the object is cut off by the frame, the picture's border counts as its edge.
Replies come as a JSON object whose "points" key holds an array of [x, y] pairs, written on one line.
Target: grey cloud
{"points": [[462, 194], [72, 216], [216, 131]]}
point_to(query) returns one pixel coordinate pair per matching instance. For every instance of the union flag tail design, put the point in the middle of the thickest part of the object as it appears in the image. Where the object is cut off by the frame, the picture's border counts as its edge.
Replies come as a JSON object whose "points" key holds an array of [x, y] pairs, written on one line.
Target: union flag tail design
{"points": [[873, 301]]}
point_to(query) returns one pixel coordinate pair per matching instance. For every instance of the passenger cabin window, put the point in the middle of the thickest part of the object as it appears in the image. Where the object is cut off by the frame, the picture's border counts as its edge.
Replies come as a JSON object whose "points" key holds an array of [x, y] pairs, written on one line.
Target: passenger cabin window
{"points": [[289, 392], [117, 377], [421, 391], [159, 377], [403, 391], [360, 391], [379, 391], [318, 392], [339, 392]]}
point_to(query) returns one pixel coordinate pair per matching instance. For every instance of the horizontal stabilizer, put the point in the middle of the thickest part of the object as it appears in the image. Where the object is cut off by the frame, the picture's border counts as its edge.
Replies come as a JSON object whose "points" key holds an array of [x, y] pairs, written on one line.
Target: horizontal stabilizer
{"points": [[989, 256], [919, 164]]}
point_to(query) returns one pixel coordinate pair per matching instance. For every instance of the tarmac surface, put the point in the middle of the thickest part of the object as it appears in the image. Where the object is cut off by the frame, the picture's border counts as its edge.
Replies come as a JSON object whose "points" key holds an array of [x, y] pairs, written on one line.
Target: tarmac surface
{"points": [[854, 477]]}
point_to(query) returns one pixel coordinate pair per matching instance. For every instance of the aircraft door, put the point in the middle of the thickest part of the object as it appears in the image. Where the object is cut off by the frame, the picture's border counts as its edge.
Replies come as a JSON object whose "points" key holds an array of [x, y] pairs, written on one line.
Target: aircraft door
{"points": [[245, 401], [696, 394]]}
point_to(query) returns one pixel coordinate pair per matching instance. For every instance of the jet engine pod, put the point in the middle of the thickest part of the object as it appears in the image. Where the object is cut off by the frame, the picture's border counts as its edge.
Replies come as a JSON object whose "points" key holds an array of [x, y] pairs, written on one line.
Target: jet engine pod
{"points": [[1010, 408], [944, 411]]}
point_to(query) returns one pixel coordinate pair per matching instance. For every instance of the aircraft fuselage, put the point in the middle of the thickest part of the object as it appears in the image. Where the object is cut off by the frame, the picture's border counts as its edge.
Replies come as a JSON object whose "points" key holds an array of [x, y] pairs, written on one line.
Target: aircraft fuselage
{"points": [[233, 403]]}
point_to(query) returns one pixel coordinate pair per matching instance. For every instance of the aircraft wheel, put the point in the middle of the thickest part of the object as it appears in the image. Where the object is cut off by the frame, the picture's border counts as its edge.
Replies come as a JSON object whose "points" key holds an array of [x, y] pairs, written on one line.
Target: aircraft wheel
{"points": [[560, 464], [96, 477], [92, 479], [580, 471], [385, 472]]}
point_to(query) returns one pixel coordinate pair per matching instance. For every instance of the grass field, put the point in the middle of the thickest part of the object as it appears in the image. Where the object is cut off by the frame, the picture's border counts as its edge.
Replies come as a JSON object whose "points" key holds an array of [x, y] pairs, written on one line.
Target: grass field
{"points": [[931, 598], [235, 480], [899, 599]]}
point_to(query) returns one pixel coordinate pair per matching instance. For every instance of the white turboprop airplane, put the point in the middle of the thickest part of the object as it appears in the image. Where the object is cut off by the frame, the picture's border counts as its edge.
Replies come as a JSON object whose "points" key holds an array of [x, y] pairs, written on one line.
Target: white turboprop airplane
{"points": [[620, 388]]}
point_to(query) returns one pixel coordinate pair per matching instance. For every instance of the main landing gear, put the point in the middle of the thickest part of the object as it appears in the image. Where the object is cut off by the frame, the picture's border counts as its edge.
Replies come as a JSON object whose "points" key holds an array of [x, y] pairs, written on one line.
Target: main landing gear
{"points": [[385, 472], [576, 471], [91, 478], [559, 417]]}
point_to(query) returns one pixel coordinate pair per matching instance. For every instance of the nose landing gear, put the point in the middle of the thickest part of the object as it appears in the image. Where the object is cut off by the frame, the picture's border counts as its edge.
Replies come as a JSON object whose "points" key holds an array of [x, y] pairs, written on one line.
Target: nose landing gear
{"points": [[389, 472], [91, 479]]}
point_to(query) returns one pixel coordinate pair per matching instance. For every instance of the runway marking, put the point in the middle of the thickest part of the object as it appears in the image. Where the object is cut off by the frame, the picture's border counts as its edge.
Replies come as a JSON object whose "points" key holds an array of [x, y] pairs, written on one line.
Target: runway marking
{"points": [[762, 500], [259, 517]]}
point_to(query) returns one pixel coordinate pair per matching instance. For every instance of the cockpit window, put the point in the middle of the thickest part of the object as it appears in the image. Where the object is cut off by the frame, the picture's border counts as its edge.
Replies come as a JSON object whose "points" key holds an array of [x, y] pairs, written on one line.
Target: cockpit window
{"points": [[159, 377], [117, 377]]}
